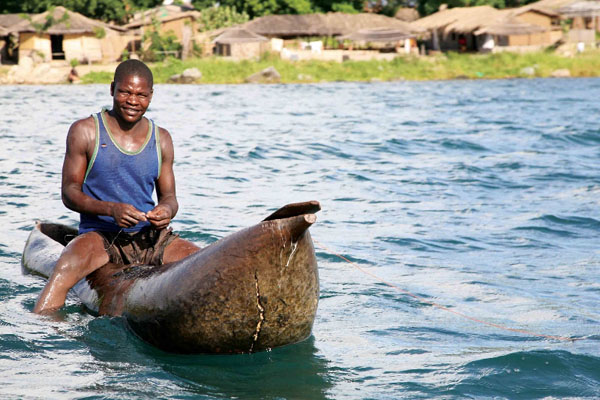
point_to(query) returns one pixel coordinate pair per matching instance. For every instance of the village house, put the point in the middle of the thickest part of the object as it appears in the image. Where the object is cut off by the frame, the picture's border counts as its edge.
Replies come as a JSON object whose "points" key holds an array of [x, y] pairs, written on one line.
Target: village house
{"points": [[319, 35], [485, 28], [530, 27], [585, 17], [61, 34], [509, 33], [180, 20], [240, 43], [293, 27]]}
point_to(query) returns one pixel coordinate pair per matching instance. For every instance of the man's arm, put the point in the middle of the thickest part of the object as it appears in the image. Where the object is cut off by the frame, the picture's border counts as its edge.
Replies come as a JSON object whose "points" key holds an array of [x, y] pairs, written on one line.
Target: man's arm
{"points": [[80, 145], [167, 206]]}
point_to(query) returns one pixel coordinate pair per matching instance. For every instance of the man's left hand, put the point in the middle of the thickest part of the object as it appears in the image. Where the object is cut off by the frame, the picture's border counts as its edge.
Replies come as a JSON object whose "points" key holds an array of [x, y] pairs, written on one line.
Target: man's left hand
{"points": [[160, 216]]}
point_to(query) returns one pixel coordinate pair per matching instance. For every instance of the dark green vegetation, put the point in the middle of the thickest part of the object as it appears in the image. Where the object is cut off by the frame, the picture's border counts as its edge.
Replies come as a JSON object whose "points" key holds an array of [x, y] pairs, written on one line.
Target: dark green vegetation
{"points": [[120, 10], [451, 66]]}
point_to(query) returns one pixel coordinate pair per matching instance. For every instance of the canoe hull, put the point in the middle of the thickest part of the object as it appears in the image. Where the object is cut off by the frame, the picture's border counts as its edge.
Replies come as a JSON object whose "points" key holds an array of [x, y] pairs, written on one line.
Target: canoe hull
{"points": [[253, 290]]}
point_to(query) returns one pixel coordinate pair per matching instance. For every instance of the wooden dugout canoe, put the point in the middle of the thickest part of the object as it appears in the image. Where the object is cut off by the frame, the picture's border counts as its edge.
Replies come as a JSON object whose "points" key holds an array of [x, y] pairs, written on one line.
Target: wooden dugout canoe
{"points": [[253, 290]]}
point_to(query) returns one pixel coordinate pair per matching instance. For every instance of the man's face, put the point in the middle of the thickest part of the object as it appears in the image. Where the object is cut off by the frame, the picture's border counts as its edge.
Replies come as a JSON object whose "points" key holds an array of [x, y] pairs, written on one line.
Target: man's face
{"points": [[131, 97]]}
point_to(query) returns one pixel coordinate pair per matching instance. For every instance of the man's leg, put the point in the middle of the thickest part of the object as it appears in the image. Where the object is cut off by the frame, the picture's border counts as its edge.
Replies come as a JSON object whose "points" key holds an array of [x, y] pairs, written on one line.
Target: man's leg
{"points": [[83, 255], [178, 249]]}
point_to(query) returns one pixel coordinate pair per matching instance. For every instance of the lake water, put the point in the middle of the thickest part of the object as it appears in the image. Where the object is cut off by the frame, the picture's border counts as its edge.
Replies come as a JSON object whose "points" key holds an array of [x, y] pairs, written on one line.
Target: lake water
{"points": [[479, 196]]}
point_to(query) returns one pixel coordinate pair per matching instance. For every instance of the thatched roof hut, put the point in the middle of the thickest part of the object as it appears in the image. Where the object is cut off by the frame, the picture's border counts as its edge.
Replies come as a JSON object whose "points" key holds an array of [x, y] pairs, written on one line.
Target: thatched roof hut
{"points": [[525, 28], [9, 20], [65, 22], [460, 20], [240, 43], [238, 35], [63, 34], [330, 24], [509, 26], [554, 5], [534, 7], [581, 9]]}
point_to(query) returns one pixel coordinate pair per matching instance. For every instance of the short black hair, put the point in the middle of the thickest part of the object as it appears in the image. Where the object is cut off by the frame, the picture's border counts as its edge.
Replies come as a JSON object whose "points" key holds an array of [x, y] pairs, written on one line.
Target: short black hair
{"points": [[133, 67]]}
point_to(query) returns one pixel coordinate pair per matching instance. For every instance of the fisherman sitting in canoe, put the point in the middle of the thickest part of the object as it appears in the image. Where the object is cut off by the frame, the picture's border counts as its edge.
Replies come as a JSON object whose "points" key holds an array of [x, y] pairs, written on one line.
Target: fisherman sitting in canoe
{"points": [[113, 163]]}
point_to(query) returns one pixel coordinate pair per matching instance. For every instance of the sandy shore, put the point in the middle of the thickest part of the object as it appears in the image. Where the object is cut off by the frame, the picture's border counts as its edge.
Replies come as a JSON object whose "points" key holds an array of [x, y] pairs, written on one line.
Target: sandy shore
{"points": [[55, 72]]}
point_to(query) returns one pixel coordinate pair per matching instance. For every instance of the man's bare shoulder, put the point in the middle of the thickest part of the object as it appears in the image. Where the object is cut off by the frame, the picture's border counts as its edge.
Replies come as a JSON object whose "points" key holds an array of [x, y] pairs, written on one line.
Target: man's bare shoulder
{"points": [[165, 137], [163, 132], [83, 130], [83, 125]]}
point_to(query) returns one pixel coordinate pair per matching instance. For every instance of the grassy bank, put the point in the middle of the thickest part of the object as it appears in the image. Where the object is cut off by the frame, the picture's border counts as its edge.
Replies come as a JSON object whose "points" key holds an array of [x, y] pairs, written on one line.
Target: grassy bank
{"points": [[449, 66]]}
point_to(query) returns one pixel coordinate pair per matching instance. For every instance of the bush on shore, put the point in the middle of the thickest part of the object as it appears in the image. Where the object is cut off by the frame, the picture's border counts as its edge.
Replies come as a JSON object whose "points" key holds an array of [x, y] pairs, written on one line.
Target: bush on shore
{"points": [[449, 66]]}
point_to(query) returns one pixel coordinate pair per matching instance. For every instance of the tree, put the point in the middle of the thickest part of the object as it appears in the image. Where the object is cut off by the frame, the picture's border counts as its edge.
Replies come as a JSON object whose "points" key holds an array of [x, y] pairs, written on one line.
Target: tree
{"points": [[161, 45], [221, 17], [105, 10], [337, 5], [258, 8]]}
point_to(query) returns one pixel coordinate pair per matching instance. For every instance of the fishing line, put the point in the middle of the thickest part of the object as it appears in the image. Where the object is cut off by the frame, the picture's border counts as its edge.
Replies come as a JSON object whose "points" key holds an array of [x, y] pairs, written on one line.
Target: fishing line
{"points": [[444, 308]]}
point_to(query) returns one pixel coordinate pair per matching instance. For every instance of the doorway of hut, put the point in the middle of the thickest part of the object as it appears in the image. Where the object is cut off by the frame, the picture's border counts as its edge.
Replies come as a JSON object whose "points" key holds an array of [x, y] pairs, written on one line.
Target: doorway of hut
{"points": [[56, 42]]}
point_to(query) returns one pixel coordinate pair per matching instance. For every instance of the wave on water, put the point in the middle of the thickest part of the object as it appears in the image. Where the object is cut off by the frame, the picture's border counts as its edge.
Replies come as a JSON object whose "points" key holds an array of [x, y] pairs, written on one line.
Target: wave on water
{"points": [[530, 375]]}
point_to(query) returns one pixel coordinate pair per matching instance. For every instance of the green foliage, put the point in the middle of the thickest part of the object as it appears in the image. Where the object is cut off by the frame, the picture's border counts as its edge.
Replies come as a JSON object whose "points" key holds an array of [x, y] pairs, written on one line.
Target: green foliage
{"points": [[99, 32], [74, 62], [202, 4], [120, 10], [107, 10], [338, 5], [258, 8], [48, 22], [221, 17], [254, 8], [391, 7], [294, 7], [344, 7], [144, 4], [98, 77], [161, 44]]}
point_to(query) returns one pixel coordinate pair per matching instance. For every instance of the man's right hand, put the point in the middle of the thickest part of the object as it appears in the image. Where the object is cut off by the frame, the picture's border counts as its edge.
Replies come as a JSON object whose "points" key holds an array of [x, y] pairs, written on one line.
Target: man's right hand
{"points": [[126, 215]]}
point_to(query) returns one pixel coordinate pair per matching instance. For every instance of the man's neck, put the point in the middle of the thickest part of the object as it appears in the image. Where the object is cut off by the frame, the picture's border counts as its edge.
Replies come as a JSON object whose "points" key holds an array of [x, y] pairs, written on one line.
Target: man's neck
{"points": [[125, 126]]}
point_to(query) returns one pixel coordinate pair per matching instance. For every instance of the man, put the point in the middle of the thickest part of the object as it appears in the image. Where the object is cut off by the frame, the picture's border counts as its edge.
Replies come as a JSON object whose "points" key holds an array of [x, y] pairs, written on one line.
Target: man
{"points": [[113, 163]]}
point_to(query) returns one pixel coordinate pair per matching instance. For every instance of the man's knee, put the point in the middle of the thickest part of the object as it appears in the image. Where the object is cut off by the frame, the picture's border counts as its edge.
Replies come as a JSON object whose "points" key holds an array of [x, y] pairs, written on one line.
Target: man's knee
{"points": [[82, 256]]}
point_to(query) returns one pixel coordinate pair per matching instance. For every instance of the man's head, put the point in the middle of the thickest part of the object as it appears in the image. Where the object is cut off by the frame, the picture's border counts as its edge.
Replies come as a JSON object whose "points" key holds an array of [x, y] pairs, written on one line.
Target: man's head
{"points": [[131, 90], [133, 67]]}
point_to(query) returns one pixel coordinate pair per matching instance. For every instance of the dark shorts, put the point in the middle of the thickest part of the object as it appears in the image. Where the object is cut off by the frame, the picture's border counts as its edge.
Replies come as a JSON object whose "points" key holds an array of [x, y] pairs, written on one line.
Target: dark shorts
{"points": [[146, 247]]}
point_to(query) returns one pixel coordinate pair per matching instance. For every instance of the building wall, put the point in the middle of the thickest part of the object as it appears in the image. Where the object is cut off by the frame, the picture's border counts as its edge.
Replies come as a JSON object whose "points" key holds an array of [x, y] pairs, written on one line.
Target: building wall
{"points": [[113, 46], [581, 35], [535, 18], [246, 50], [82, 47], [556, 35], [32, 44], [533, 39]]}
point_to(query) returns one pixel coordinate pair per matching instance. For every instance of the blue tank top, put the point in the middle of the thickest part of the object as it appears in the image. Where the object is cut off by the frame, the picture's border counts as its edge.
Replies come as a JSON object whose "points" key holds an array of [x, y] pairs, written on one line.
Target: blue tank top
{"points": [[117, 175]]}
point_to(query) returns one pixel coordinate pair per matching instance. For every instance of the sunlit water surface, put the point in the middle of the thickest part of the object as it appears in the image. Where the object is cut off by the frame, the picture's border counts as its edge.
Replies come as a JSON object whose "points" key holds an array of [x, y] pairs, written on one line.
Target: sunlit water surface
{"points": [[482, 197]]}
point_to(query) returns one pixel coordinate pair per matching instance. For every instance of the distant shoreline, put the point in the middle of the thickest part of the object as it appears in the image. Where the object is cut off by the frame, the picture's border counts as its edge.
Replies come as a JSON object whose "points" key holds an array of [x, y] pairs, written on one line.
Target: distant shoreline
{"points": [[451, 66]]}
